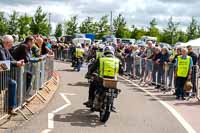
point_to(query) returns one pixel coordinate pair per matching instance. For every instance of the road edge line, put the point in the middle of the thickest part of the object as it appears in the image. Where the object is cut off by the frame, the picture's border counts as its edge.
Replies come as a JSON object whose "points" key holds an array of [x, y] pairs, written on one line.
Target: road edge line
{"points": [[177, 115]]}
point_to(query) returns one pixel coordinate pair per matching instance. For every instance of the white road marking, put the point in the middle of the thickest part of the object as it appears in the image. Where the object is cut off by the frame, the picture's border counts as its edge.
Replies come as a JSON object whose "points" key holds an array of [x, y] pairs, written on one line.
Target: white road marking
{"points": [[183, 122], [46, 131], [52, 114]]}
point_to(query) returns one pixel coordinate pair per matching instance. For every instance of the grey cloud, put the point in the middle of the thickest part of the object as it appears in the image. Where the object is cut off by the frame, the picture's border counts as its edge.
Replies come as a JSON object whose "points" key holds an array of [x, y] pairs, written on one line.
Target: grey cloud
{"points": [[180, 1], [140, 16]]}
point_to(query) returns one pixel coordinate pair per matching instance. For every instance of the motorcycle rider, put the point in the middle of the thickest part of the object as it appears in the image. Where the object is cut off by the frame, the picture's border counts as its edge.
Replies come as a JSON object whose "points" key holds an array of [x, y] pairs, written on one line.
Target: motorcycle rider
{"points": [[107, 66], [99, 52], [79, 54]]}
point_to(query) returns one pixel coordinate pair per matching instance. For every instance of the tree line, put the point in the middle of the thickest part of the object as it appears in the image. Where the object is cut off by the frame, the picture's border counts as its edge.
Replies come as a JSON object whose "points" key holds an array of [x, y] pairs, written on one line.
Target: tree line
{"points": [[171, 33], [24, 25]]}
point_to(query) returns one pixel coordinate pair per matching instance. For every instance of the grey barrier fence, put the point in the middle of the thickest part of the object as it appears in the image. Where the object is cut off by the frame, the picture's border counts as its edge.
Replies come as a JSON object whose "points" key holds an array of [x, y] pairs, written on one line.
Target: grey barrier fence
{"points": [[21, 83], [3, 92], [150, 72], [63, 54]]}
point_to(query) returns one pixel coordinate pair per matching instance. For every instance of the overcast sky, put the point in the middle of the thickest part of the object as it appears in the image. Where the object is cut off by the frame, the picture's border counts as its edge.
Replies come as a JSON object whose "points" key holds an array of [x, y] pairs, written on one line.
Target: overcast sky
{"points": [[137, 12]]}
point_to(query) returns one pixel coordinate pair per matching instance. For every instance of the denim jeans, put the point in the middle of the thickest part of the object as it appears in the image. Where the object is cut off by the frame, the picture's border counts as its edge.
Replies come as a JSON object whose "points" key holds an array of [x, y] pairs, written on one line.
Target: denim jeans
{"points": [[12, 93], [137, 70], [29, 76], [170, 75], [155, 71], [160, 77]]}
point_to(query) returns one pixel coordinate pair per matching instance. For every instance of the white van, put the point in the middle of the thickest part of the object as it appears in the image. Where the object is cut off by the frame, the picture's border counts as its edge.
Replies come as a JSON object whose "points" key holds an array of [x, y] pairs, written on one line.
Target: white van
{"points": [[82, 41], [148, 38]]}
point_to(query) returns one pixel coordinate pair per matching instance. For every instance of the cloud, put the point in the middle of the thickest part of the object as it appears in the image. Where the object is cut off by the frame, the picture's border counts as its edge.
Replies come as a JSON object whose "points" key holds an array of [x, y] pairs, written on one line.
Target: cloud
{"points": [[137, 12]]}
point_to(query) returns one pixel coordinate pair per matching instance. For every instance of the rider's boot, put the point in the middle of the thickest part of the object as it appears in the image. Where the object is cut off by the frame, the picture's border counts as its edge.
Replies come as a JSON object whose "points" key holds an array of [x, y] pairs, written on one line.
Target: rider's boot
{"points": [[88, 103]]}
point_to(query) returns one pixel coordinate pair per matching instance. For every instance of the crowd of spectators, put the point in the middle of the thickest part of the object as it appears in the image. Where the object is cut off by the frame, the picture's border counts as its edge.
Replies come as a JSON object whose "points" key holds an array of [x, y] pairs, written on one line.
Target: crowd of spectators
{"points": [[31, 50], [151, 64], [155, 65]]}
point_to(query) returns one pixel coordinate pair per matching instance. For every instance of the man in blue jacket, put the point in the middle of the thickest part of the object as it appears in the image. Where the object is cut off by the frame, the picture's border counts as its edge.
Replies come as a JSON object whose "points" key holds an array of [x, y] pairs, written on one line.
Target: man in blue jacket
{"points": [[12, 85]]}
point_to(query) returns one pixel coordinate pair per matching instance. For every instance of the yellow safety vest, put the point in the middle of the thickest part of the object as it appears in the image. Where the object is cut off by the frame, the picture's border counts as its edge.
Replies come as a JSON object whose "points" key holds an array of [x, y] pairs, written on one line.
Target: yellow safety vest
{"points": [[79, 52], [109, 67], [99, 54], [183, 66]]}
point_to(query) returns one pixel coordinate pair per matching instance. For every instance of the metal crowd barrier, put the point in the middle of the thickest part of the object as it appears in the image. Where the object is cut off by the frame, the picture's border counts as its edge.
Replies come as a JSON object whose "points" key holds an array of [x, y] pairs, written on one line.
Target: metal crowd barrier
{"points": [[28, 79], [3, 92], [63, 54], [150, 72]]}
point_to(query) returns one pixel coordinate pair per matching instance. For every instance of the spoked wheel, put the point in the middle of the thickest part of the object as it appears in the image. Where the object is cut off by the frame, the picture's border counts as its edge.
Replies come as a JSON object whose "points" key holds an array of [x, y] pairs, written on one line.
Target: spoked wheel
{"points": [[105, 112], [104, 115]]}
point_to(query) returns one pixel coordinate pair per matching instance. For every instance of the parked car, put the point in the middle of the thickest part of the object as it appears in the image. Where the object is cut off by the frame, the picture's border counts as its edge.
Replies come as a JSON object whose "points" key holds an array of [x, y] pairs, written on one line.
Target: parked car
{"points": [[110, 39], [128, 41]]}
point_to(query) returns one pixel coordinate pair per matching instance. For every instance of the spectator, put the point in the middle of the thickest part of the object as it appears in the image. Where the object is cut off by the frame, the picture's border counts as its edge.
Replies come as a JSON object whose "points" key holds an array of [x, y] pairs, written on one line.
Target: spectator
{"points": [[173, 60], [23, 51], [12, 85], [194, 68], [164, 59], [141, 54], [149, 65], [128, 59], [192, 54], [119, 55], [36, 49], [183, 72], [45, 50], [49, 43], [134, 54], [156, 59]]}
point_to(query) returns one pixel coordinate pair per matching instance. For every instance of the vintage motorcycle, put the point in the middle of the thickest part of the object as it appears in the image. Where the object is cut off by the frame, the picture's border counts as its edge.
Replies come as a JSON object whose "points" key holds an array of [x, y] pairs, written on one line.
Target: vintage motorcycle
{"points": [[104, 96], [78, 63]]}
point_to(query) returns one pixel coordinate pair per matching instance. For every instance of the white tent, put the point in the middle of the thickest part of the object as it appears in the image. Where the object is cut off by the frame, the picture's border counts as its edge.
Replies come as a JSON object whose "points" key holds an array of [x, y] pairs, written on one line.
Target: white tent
{"points": [[194, 43]]}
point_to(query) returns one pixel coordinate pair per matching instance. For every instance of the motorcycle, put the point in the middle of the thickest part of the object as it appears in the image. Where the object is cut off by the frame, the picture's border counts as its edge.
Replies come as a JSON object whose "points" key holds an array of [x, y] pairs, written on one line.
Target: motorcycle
{"points": [[104, 98], [77, 64]]}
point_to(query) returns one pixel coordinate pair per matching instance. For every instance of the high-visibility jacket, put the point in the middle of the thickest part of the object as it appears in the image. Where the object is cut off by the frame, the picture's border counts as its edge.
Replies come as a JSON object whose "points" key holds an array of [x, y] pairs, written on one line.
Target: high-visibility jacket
{"points": [[79, 53], [99, 54], [109, 67], [183, 66]]}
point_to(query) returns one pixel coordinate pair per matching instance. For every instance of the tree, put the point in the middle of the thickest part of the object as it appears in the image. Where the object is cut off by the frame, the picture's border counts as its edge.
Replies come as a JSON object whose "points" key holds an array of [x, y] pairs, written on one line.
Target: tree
{"points": [[103, 27], [182, 36], [137, 33], [88, 26], [3, 24], [59, 30], [119, 26], [13, 23], [24, 22], [170, 34], [70, 26], [192, 30], [40, 23], [153, 30]]}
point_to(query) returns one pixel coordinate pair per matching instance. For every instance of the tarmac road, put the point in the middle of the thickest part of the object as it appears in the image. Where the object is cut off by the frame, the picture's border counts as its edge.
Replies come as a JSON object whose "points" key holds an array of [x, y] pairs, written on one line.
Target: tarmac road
{"points": [[137, 111]]}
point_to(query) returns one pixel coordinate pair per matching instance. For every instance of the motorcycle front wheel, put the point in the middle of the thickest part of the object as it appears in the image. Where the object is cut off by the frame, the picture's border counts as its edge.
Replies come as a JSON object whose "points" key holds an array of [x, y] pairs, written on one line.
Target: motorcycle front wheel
{"points": [[104, 116], [105, 112]]}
